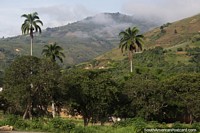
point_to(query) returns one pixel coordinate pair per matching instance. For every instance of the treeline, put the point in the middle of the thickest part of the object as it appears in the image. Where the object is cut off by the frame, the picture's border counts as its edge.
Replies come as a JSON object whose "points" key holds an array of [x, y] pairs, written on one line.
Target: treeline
{"points": [[154, 93]]}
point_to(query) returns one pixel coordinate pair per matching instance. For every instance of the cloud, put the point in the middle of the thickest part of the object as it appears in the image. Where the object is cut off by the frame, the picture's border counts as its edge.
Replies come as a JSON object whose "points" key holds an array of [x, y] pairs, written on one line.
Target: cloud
{"points": [[62, 14], [166, 10], [102, 19], [111, 30], [10, 24]]}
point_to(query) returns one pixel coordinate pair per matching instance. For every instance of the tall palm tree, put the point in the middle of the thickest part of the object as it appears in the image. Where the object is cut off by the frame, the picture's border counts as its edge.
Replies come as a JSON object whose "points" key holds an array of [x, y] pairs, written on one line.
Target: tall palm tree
{"points": [[53, 52], [31, 25], [130, 41]]}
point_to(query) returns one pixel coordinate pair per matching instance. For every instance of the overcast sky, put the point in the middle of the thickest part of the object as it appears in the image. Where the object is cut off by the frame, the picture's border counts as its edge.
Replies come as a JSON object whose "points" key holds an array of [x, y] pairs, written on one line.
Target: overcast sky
{"points": [[60, 12]]}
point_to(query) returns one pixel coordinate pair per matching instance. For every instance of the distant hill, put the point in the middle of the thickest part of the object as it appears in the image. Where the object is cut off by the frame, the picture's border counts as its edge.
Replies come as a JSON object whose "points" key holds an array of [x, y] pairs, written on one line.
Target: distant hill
{"points": [[171, 36], [176, 33], [82, 40]]}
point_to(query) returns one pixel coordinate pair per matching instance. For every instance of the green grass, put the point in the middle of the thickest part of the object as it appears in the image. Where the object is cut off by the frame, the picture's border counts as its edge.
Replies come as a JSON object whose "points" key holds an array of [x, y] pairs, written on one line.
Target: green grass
{"points": [[60, 125]]}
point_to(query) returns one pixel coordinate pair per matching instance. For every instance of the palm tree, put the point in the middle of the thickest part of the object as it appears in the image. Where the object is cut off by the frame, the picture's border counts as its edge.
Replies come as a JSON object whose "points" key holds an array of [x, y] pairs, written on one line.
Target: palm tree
{"points": [[31, 25], [53, 52], [131, 41]]}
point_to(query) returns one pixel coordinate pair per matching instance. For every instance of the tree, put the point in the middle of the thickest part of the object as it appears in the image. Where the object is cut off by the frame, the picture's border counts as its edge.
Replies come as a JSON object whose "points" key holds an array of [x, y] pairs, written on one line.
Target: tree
{"points": [[196, 60], [53, 52], [90, 93], [145, 95], [182, 97], [31, 25], [28, 84], [131, 41]]}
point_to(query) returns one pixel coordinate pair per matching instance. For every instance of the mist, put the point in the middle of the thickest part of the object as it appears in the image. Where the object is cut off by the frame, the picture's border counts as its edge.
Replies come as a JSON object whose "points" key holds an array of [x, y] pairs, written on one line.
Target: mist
{"points": [[163, 10]]}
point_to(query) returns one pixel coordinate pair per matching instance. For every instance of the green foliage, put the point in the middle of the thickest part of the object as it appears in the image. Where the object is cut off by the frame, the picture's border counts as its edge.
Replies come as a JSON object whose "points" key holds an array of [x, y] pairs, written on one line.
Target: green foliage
{"points": [[162, 28], [30, 24], [11, 120], [91, 93], [81, 41], [145, 95], [196, 38], [53, 52], [61, 125], [131, 41], [36, 79], [179, 49], [184, 88], [137, 122], [134, 125]]}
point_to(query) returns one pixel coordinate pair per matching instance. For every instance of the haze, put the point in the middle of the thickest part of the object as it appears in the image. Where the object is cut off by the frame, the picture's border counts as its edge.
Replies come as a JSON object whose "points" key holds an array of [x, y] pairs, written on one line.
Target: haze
{"points": [[61, 12]]}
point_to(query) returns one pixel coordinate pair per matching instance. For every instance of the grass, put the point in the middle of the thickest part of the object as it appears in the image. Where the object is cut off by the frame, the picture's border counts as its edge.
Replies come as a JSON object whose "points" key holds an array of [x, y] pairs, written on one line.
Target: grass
{"points": [[59, 125]]}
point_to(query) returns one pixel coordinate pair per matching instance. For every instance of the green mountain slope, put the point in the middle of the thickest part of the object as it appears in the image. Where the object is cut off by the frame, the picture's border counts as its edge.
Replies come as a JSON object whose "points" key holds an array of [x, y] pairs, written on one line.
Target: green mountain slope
{"points": [[175, 37], [82, 40], [172, 34]]}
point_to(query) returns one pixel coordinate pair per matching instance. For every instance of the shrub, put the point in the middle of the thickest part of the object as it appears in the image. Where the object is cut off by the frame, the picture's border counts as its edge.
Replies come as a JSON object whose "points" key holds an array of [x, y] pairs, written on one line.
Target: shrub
{"points": [[179, 49], [130, 122], [150, 65], [11, 120], [37, 124], [61, 125], [177, 125], [137, 123], [196, 126], [21, 124]]}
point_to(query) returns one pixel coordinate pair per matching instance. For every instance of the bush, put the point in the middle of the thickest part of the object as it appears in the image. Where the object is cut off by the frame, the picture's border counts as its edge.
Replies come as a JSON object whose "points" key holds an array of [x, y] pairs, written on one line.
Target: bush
{"points": [[37, 124], [11, 120], [61, 125], [179, 49], [177, 125], [130, 122], [16, 121], [150, 65], [2, 123], [89, 129], [21, 124], [138, 124], [196, 126]]}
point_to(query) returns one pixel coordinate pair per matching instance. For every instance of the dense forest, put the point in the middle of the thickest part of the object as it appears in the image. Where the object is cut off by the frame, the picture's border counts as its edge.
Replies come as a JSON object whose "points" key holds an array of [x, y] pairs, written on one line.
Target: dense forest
{"points": [[156, 90]]}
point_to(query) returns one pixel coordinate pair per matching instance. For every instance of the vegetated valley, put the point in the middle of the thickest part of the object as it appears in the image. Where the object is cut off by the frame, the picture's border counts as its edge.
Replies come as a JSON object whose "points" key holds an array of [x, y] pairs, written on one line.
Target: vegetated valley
{"points": [[162, 92]]}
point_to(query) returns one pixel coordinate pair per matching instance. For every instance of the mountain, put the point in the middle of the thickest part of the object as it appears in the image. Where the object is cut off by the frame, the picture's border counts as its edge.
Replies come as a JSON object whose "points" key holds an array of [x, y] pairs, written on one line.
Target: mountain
{"points": [[82, 40], [176, 37], [175, 34]]}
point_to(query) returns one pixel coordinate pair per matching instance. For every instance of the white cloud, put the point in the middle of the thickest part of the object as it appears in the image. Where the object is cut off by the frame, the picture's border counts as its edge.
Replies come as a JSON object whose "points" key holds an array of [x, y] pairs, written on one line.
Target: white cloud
{"points": [[102, 19], [10, 24], [167, 10], [62, 14], [51, 15]]}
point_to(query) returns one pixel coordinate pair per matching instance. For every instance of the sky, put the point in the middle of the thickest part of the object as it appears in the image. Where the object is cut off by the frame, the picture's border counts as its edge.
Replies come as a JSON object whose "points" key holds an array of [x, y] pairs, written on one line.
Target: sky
{"points": [[55, 13]]}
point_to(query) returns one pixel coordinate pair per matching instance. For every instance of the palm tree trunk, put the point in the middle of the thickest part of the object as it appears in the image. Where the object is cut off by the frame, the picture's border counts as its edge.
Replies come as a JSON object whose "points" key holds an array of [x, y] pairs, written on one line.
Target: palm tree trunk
{"points": [[31, 46], [53, 108], [131, 61]]}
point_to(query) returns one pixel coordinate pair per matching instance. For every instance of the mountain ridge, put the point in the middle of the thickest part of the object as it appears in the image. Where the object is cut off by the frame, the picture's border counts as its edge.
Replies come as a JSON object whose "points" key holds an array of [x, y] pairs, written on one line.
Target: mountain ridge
{"points": [[82, 40], [171, 36]]}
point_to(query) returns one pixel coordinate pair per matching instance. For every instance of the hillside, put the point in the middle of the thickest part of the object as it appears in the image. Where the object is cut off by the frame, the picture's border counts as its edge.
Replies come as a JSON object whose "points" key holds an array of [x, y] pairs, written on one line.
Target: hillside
{"points": [[82, 40], [175, 37], [173, 34]]}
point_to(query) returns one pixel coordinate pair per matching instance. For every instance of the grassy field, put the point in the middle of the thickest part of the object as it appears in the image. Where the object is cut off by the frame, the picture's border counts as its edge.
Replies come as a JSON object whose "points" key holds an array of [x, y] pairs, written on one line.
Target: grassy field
{"points": [[60, 125]]}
